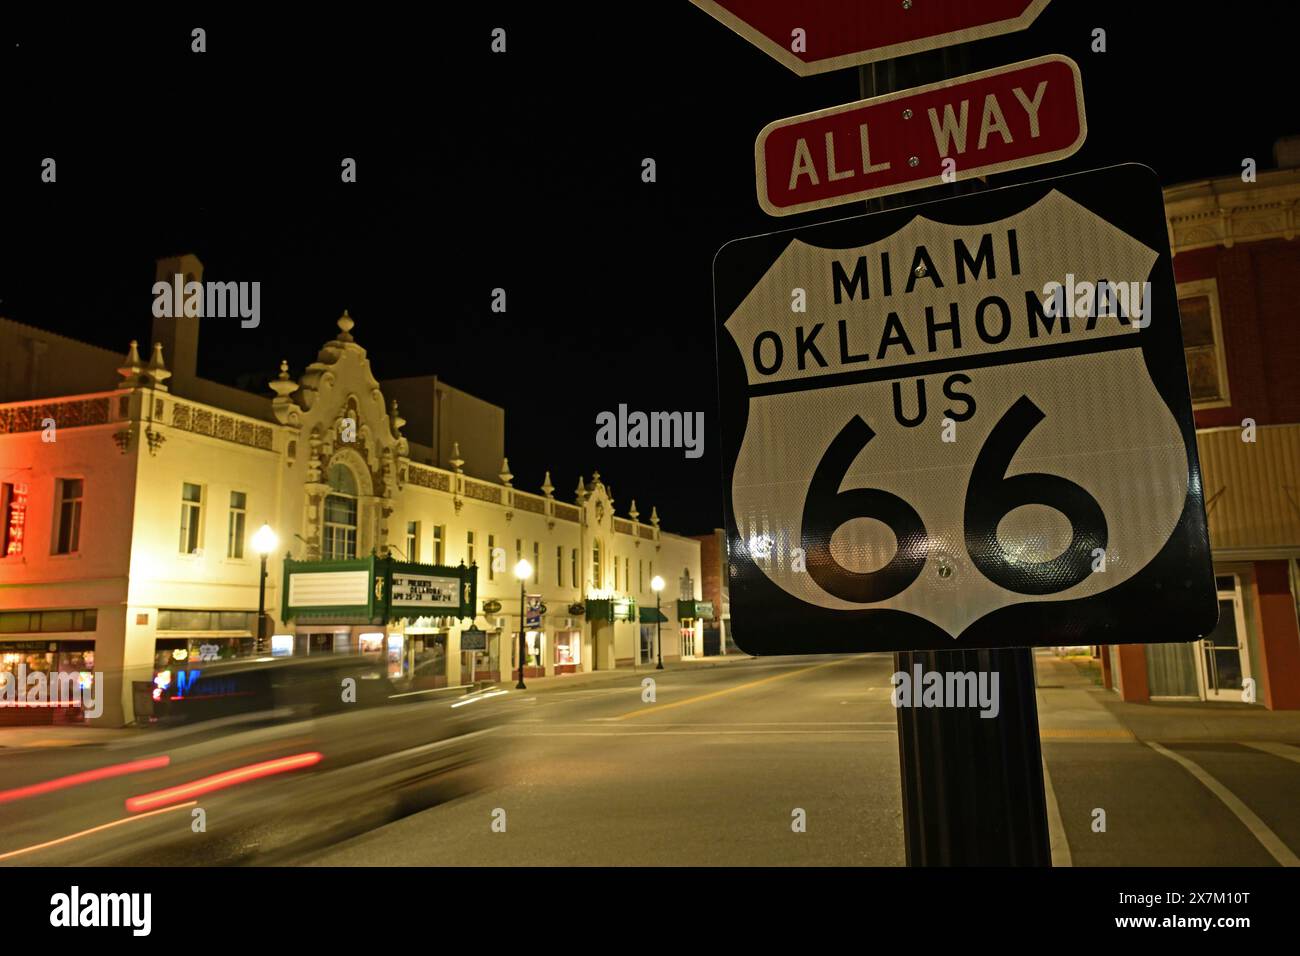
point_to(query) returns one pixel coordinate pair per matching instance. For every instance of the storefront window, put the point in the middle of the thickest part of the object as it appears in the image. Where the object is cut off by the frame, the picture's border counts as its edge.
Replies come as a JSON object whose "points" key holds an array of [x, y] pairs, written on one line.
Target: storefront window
{"points": [[430, 661], [568, 651]]}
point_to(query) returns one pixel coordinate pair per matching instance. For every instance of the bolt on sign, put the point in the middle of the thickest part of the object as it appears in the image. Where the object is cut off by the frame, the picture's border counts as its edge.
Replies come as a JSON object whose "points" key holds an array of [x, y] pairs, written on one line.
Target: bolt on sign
{"points": [[962, 424], [1006, 118], [820, 35]]}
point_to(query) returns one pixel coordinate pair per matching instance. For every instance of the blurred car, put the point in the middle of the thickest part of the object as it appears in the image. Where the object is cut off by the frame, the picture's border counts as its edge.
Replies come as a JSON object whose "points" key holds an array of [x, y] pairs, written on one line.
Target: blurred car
{"points": [[254, 761]]}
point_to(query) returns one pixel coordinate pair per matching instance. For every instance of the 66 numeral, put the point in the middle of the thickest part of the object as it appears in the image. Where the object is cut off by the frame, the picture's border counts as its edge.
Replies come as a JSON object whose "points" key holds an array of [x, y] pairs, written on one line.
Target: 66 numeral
{"points": [[990, 496]]}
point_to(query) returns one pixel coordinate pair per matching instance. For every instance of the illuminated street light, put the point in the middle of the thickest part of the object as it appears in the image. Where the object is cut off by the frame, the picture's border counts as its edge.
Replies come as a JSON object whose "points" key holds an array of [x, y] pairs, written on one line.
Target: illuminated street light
{"points": [[657, 585], [523, 571], [264, 542]]}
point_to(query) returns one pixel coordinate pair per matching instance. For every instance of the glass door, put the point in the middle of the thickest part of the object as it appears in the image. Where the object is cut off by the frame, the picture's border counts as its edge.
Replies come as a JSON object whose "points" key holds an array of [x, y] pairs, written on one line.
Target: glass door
{"points": [[1222, 658]]}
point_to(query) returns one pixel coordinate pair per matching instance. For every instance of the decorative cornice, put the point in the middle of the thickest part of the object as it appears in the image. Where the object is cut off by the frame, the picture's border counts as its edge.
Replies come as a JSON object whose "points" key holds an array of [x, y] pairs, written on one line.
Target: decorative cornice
{"points": [[1222, 212]]}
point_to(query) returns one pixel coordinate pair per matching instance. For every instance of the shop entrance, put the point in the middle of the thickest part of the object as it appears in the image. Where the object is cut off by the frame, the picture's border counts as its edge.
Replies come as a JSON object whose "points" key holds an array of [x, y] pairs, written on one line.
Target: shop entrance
{"points": [[568, 652], [1222, 660]]}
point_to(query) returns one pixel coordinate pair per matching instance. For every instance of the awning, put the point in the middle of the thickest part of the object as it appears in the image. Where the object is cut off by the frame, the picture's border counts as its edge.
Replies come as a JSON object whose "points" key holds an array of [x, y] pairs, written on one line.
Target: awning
{"points": [[652, 615]]}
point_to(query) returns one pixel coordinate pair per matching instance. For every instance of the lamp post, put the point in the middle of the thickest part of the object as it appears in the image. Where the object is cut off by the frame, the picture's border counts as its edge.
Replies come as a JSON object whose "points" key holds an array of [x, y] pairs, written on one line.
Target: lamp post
{"points": [[523, 571], [657, 585], [264, 542]]}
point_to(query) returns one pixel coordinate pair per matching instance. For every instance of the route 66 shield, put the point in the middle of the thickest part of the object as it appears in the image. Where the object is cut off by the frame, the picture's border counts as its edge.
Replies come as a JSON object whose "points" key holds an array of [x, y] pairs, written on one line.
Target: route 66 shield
{"points": [[962, 424]]}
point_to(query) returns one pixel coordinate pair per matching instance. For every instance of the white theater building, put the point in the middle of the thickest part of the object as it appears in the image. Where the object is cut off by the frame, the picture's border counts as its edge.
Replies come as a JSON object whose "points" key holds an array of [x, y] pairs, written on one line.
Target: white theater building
{"points": [[131, 491]]}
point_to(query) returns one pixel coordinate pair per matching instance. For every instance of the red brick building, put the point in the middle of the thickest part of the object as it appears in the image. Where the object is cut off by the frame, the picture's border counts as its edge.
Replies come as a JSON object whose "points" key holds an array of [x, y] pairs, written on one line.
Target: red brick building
{"points": [[713, 587], [1237, 264]]}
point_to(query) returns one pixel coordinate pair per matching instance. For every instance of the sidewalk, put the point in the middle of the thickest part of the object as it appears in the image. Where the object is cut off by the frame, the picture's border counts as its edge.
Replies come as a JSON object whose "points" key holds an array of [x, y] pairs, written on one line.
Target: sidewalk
{"points": [[65, 735], [1071, 705]]}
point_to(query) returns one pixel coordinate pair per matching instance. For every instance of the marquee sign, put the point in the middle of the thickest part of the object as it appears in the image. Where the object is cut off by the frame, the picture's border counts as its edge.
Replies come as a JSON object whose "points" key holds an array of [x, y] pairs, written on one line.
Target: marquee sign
{"points": [[378, 589]]}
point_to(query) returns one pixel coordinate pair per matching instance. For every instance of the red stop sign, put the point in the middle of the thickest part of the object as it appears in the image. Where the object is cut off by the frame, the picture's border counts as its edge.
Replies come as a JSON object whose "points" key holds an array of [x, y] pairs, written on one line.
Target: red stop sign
{"points": [[819, 35]]}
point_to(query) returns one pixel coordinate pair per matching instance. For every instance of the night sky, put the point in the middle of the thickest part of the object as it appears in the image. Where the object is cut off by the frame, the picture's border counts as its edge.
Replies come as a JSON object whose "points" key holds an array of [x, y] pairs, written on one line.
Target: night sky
{"points": [[520, 171]]}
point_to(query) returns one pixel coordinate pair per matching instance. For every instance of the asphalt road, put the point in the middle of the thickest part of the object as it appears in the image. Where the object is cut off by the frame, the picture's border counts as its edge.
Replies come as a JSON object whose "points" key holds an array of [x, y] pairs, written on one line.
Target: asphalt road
{"points": [[712, 772], [709, 774], [715, 770]]}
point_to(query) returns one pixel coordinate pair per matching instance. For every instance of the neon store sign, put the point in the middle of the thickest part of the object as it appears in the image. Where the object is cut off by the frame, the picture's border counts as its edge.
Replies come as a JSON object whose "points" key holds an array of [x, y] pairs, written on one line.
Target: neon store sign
{"points": [[16, 519]]}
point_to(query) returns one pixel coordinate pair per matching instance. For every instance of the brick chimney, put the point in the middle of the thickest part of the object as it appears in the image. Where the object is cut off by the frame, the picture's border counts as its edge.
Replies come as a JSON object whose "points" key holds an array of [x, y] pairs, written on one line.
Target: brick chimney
{"points": [[1286, 152], [179, 334]]}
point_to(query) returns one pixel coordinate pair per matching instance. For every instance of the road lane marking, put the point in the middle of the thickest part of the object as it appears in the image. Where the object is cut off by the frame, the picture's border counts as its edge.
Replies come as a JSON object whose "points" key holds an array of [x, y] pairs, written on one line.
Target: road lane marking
{"points": [[1060, 847], [615, 732], [1270, 840], [754, 723], [1285, 751], [1085, 734], [103, 826], [659, 708]]}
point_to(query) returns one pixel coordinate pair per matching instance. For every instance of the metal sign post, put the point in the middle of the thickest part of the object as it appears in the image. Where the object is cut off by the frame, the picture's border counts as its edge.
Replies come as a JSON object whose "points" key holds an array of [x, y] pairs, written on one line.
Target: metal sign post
{"points": [[940, 439]]}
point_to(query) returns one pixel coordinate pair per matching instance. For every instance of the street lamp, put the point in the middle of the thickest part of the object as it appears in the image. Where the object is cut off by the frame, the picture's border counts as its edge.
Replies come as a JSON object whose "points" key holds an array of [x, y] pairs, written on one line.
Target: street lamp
{"points": [[264, 542], [657, 585], [523, 571]]}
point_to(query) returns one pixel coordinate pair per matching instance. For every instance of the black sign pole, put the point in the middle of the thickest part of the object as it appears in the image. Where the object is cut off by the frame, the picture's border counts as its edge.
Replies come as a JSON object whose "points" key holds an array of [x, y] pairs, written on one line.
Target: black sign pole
{"points": [[972, 786]]}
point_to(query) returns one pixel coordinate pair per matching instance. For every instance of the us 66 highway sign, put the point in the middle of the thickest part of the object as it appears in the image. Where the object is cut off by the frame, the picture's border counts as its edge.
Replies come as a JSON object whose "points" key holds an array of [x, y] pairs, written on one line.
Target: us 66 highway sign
{"points": [[962, 424]]}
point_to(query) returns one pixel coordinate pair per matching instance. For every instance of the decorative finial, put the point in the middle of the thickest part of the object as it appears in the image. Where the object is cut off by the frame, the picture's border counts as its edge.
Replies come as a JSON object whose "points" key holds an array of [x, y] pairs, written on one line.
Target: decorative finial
{"points": [[397, 420], [654, 516], [456, 460], [547, 487], [505, 475], [345, 324], [580, 494], [157, 370], [283, 385], [131, 367], [632, 512]]}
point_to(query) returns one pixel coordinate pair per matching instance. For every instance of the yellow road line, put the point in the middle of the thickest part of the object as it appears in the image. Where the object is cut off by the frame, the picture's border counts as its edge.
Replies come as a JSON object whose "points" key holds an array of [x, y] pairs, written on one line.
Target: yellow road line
{"points": [[1066, 734], [660, 708], [102, 826]]}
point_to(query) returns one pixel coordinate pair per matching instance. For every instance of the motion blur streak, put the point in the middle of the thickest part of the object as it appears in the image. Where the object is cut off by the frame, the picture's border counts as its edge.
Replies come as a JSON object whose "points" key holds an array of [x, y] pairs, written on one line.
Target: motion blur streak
{"points": [[462, 703], [220, 781], [102, 826], [87, 776]]}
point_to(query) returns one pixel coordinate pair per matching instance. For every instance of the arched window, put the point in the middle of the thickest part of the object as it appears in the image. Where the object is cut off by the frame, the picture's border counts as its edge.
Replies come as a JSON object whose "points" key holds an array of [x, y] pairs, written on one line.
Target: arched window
{"points": [[339, 535], [596, 576]]}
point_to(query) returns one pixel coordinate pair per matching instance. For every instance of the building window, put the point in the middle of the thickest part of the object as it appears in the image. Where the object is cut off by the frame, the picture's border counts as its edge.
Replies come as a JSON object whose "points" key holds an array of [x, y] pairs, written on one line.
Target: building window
{"points": [[640, 575], [13, 513], [67, 532], [235, 529], [492, 557], [596, 569], [412, 541], [437, 543], [1207, 374], [191, 518], [616, 573], [469, 548], [559, 566], [627, 574], [339, 538], [573, 568], [537, 562]]}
